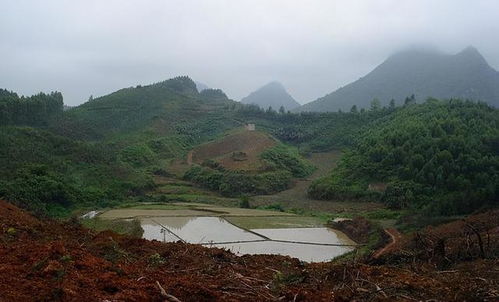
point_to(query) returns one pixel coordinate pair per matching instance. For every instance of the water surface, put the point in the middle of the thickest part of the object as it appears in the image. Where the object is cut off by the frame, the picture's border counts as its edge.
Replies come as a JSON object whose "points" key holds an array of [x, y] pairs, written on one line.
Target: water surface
{"points": [[307, 244], [197, 229], [310, 235], [304, 252]]}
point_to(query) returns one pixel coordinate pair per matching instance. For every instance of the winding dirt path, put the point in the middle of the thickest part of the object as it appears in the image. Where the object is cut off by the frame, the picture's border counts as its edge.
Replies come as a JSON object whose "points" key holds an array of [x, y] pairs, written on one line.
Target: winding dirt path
{"points": [[394, 235]]}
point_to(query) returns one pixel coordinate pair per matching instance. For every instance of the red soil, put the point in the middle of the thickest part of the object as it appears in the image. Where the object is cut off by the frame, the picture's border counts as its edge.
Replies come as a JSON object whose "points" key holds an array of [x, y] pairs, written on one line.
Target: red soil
{"points": [[394, 238], [252, 143], [52, 261]]}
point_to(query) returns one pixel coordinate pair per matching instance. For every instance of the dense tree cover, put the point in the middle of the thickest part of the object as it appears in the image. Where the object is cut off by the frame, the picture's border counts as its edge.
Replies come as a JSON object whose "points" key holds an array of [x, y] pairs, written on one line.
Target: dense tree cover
{"points": [[442, 156], [36, 110], [311, 131], [213, 95], [235, 183], [288, 159], [50, 174], [141, 129], [172, 107]]}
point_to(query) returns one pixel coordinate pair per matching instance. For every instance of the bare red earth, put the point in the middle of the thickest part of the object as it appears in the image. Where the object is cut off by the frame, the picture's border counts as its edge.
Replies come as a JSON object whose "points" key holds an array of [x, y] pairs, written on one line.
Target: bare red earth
{"points": [[251, 143], [52, 261], [394, 237]]}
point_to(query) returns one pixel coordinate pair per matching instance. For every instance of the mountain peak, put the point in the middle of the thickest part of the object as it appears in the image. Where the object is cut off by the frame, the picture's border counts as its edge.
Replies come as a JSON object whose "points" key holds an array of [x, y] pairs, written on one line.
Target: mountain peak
{"points": [[272, 94], [471, 53], [180, 84], [421, 72], [470, 50], [274, 84]]}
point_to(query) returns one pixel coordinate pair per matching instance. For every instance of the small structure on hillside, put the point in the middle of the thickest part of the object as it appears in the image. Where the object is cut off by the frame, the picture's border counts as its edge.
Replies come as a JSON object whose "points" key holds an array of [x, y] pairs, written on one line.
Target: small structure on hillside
{"points": [[249, 127]]}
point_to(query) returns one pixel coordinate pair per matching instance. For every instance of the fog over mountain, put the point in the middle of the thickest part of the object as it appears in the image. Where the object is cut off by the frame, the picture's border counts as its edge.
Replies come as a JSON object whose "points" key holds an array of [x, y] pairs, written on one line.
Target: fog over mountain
{"points": [[92, 47], [272, 95], [422, 73], [201, 86]]}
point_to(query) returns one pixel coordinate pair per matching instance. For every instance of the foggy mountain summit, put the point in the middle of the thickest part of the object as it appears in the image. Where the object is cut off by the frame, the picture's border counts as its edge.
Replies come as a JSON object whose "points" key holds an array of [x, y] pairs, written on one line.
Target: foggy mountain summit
{"points": [[424, 73], [201, 86], [272, 95]]}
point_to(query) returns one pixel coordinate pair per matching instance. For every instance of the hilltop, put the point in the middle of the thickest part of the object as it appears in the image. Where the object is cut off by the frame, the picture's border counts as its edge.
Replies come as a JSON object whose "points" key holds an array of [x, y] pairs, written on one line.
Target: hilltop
{"points": [[272, 95], [161, 106], [421, 73]]}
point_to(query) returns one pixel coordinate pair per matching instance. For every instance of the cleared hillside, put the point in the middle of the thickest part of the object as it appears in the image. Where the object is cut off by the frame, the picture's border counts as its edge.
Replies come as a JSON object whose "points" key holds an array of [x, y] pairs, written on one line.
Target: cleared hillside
{"points": [[52, 261], [237, 151]]}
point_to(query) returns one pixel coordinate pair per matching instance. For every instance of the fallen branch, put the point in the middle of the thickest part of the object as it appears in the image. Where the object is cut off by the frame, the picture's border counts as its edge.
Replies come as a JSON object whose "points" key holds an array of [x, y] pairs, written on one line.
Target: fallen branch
{"points": [[167, 296]]}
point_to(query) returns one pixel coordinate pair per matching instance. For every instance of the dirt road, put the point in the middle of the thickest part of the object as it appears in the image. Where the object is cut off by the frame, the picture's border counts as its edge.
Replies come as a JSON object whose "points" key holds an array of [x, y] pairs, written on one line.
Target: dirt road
{"points": [[394, 236]]}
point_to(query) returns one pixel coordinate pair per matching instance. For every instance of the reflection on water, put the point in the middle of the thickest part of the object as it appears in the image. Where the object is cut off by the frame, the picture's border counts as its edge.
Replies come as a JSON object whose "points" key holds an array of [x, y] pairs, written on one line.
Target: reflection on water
{"points": [[304, 252], [217, 232], [197, 229], [311, 235], [153, 231]]}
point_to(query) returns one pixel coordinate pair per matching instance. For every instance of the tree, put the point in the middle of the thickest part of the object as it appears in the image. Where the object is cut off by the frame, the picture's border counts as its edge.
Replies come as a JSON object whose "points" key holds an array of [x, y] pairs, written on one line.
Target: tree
{"points": [[281, 110], [354, 109], [375, 105], [410, 100], [392, 104]]}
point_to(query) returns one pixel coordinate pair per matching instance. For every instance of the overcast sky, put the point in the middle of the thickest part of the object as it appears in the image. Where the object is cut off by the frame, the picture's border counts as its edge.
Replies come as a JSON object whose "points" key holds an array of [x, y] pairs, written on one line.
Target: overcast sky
{"points": [[94, 47]]}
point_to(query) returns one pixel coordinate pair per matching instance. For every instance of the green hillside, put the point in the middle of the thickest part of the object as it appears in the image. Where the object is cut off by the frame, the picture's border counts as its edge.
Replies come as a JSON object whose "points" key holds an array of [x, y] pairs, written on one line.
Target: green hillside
{"points": [[50, 174], [107, 150], [37, 110], [167, 107], [442, 156]]}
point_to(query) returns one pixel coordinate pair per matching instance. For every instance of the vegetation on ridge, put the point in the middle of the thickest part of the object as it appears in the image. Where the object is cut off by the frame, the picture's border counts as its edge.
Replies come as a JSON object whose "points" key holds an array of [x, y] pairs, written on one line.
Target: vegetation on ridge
{"points": [[441, 156]]}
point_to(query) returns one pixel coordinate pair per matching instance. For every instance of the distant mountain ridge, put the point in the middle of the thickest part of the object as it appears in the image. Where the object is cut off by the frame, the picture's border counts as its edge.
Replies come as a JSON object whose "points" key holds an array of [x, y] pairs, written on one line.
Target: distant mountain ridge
{"points": [[272, 95], [465, 75]]}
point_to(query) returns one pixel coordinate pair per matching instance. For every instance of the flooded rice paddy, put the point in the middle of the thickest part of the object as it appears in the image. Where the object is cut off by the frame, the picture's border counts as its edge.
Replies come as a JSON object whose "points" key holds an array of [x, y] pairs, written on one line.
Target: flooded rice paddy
{"points": [[241, 231], [201, 230]]}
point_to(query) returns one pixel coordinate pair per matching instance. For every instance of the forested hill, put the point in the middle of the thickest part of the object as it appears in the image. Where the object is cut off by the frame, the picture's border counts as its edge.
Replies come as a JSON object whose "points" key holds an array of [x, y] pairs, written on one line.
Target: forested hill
{"points": [[36, 110], [102, 152], [465, 75], [441, 156], [165, 106]]}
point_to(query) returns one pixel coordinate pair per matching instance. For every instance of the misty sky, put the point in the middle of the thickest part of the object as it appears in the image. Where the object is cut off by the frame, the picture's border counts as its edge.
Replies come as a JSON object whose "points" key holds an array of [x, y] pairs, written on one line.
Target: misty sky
{"points": [[94, 47]]}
